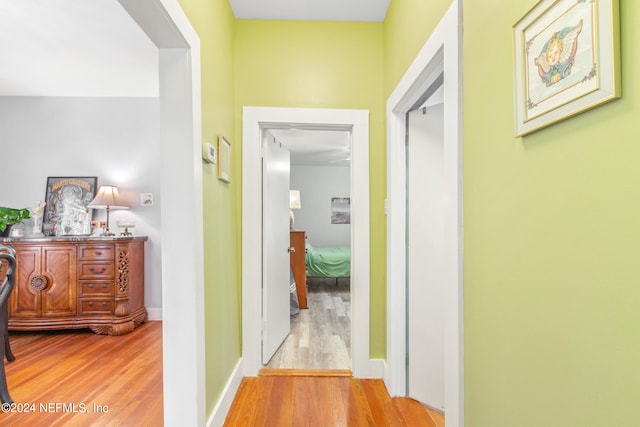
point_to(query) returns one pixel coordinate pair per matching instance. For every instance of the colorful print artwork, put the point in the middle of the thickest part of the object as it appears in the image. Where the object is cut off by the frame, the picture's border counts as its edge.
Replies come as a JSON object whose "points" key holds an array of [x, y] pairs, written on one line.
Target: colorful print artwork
{"points": [[557, 56], [566, 60]]}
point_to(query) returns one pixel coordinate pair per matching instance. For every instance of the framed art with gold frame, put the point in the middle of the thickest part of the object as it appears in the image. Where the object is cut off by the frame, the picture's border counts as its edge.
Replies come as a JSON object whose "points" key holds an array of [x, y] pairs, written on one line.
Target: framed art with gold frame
{"points": [[567, 60]]}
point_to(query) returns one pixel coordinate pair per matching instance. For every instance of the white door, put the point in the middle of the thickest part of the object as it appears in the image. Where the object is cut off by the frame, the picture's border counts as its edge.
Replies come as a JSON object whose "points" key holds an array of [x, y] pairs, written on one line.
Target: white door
{"points": [[275, 246], [425, 256]]}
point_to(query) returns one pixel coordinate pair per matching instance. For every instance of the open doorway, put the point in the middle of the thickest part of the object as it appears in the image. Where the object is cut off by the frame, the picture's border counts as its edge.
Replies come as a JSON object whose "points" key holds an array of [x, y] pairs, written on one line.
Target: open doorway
{"points": [[255, 120], [438, 63], [425, 245], [320, 239], [180, 143]]}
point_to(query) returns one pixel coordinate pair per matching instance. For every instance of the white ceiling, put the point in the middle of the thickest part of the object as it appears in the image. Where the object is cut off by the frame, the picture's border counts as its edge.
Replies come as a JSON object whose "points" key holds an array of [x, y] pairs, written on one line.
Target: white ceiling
{"points": [[74, 48], [316, 147], [94, 48], [318, 10]]}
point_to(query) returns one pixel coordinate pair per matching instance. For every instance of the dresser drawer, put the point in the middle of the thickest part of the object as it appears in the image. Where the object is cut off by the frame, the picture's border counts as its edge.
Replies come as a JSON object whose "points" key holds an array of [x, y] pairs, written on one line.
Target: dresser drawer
{"points": [[93, 306], [96, 270], [96, 288], [93, 252]]}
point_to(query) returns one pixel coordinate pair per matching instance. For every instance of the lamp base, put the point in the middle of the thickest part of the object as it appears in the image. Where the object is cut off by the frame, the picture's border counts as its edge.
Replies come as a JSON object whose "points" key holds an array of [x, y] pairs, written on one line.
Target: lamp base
{"points": [[107, 233]]}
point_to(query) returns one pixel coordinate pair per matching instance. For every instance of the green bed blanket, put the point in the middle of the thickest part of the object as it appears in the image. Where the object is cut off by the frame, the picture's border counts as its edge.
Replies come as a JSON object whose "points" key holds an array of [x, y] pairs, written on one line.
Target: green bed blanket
{"points": [[328, 262]]}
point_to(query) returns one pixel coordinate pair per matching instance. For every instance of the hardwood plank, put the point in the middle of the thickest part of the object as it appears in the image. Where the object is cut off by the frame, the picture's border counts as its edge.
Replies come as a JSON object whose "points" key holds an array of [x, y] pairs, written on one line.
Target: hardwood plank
{"points": [[279, 407], [296, 401], [261, 405], [357, 407], [415, 413], [305, 404], [247, 392], [382, 408], [106, 380], [436, 416], [329, 392]]}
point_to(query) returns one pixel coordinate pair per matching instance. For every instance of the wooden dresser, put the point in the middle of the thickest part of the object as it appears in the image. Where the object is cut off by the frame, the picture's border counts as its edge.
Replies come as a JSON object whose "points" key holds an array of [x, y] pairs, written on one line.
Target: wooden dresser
{"points": [[298, 265], [72, 283]]}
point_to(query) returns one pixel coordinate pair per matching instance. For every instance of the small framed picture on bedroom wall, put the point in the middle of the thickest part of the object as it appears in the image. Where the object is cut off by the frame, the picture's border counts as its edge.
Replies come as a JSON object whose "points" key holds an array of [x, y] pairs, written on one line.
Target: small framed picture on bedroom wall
{"points": [[340, 210]]}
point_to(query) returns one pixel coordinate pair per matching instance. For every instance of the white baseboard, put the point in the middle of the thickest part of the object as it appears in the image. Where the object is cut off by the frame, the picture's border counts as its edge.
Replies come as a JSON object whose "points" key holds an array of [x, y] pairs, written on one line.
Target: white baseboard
{"points": [[368, 368], [376, 368], [154, 313], [217, 417]]}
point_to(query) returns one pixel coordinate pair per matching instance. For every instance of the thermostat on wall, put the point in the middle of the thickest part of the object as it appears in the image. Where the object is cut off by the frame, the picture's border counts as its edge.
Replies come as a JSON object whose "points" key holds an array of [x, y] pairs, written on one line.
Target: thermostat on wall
{"points": [[209, 153]]}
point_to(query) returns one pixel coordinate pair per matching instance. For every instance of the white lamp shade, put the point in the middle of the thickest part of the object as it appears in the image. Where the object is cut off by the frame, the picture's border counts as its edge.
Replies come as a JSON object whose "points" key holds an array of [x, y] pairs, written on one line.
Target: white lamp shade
{"points": [[294, 199], [107, 197]]}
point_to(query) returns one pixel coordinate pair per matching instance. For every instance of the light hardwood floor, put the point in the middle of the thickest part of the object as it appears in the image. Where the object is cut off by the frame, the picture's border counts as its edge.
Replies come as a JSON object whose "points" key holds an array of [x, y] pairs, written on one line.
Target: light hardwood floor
{"points": [[320, 336], [78, 378]]}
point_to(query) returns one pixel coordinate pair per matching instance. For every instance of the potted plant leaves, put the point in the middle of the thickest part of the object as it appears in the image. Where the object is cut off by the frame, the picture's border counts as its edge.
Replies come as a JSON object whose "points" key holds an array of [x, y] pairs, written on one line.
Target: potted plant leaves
{"points": [[11, 216]]}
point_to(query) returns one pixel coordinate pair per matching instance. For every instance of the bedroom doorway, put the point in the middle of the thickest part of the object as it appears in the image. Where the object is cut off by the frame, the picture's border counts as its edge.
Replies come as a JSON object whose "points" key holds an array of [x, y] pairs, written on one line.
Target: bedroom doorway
{"points": [[255, 121], [320, 234]]}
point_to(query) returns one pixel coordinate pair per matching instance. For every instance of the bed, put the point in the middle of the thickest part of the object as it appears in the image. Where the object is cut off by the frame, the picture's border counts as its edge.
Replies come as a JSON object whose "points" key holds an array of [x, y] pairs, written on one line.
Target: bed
{"points": [[328, 262]]}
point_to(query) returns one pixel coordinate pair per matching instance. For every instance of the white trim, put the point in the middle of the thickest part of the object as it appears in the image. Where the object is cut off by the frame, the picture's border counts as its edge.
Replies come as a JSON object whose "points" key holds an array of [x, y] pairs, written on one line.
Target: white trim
{"points": [[184, 369], [219, 413], [441, 52], [254, 119], [154, 314]]}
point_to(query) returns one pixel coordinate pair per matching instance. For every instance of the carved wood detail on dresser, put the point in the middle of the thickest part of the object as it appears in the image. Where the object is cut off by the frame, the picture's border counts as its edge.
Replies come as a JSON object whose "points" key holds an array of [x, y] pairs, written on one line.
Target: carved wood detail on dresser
{"points": [[73, 283]]}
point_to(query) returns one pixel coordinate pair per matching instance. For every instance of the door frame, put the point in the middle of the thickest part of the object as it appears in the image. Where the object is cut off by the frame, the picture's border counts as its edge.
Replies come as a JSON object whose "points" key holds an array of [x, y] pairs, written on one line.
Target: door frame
{"points": [[180, 118], [254, 121], [442, 53]]}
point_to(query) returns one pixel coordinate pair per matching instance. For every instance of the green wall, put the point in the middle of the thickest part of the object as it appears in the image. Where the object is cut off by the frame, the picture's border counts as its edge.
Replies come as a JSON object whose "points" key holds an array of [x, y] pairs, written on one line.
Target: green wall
{"points": [[551, 244], [323, 65], [407, 27], [551, 219], [214, 22], [551, 233]]}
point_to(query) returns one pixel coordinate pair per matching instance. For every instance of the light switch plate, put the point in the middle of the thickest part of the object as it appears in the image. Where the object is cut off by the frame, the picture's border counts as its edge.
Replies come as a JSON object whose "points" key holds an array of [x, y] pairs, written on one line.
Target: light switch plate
{"points": [[209, 153]]}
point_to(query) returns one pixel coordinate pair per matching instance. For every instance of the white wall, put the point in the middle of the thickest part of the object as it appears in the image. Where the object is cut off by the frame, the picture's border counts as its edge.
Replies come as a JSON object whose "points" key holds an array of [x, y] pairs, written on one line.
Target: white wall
{"points": [[317, 185], [115, 139]]}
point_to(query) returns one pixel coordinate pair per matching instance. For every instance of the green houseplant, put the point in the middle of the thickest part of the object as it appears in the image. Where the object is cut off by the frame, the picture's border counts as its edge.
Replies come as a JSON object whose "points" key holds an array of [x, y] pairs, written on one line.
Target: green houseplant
{"points": [[10, 216]]}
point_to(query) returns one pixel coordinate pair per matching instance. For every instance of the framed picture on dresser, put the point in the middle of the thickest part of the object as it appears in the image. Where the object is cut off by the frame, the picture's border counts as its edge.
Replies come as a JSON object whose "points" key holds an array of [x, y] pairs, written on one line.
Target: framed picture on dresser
{"points": [[66, 212]]}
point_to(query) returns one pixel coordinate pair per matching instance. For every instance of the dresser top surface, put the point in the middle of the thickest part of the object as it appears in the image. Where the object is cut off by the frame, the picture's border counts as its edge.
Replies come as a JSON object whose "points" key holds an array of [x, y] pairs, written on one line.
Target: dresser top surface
{"points": [[81, 239]]}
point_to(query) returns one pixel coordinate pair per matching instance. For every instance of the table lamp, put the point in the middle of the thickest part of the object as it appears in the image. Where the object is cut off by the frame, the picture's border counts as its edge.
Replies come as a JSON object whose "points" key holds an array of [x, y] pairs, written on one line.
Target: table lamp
{"points": [[294, 203], [108, 198]]}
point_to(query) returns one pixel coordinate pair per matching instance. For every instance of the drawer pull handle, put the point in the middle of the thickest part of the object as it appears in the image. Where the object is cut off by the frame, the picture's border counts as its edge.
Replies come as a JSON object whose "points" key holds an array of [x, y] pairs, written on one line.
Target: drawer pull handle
{"points": [[104, 303], [102, 270], [104, 286], [90, 303], [98, 253], [39, 283], [90, 285]]}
